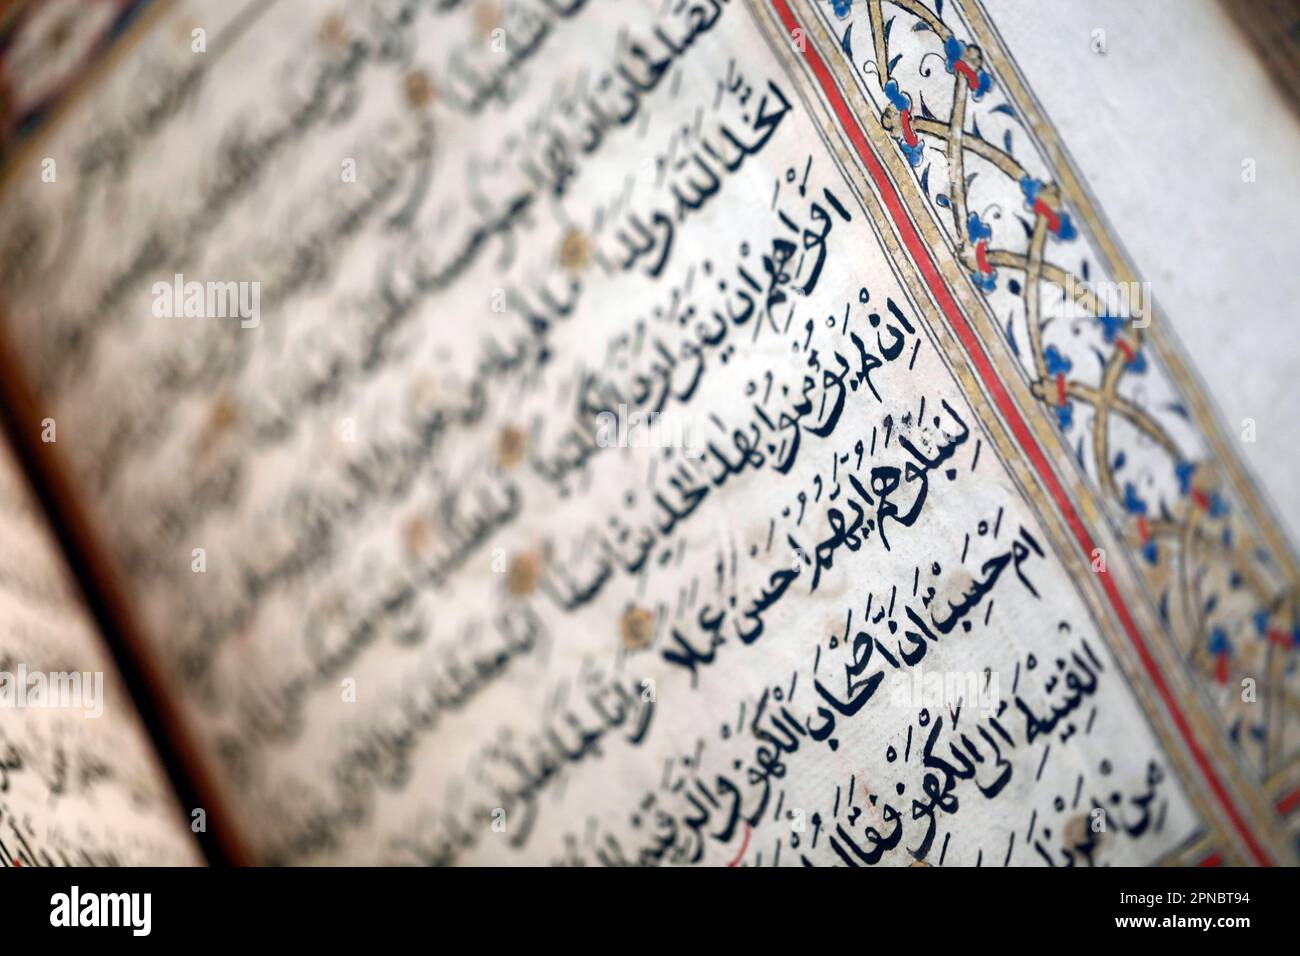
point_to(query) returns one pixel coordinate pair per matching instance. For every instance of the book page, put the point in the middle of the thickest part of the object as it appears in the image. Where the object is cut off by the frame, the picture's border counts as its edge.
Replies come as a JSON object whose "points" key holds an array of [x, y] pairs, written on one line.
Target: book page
{"points": [[79, 783], [688, 433]]}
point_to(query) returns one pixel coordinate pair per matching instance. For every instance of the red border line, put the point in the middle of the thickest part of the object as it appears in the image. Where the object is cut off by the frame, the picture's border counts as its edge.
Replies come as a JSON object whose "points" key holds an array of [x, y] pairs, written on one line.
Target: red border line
{"points": [[984, 367]]}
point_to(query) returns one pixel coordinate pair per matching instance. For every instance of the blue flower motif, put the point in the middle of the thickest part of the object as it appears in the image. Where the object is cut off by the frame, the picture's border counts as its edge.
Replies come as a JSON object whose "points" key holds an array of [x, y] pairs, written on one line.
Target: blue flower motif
{"points": [[1151, 552], [1031, 188], [1065, 415], [1133, 503], [1184, 470], [953, 50], [897, 97], [1110, 326], [841, 7], [977, 229], [1219, 643], [1261, 622], [903, 103], [1065, 231], [986, 281], [1218, 507], [1057, 364]]}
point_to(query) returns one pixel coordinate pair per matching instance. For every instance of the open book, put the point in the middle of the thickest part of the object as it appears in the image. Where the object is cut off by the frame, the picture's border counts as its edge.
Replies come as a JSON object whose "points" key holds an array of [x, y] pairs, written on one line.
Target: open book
{"points": [[718, 432]]}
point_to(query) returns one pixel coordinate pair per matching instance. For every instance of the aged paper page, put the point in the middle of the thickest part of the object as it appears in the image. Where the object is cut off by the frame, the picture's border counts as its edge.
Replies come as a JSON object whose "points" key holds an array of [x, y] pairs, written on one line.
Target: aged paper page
{"points": [[79, 784]]}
